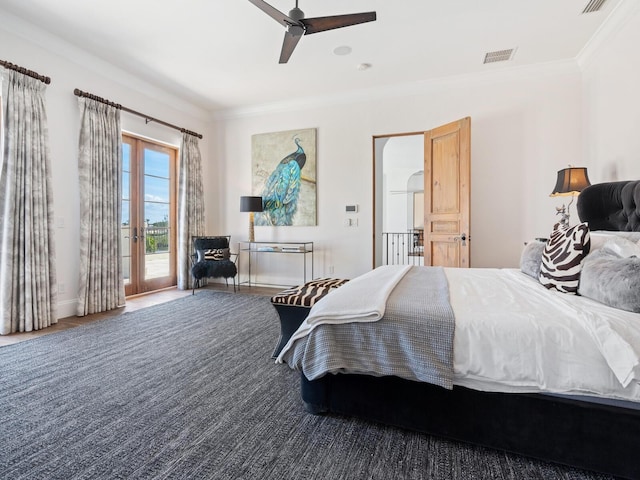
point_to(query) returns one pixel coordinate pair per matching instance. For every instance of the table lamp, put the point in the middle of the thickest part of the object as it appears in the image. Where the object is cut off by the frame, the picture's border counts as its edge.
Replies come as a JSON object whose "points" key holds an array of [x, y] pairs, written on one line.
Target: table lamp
{"points": [[251, 205], [570, 182]]}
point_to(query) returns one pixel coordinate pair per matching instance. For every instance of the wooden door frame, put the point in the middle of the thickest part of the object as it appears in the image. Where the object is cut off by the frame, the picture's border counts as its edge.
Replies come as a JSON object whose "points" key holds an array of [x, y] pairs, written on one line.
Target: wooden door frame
{"points": [[375, 179], [139, 143], [424, 133]]}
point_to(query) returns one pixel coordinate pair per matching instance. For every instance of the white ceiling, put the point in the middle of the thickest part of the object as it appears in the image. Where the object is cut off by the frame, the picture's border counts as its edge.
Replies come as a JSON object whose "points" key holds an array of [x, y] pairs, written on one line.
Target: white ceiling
{"points": [[223, 54]]}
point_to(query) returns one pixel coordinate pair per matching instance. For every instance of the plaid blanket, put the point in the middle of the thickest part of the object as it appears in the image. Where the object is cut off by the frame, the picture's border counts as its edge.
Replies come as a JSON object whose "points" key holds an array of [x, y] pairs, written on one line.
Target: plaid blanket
{"points": [[413, 340]]}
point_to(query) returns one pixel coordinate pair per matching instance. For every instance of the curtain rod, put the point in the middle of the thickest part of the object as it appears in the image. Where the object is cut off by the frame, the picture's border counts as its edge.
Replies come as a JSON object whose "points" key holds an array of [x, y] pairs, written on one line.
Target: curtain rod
{"points": [[79, 93], [25, 71]]}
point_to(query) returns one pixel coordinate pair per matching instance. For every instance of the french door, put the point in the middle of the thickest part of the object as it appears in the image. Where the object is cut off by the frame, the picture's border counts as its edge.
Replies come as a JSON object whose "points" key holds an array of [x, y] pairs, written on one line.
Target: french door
{"points": [[148, 215]]}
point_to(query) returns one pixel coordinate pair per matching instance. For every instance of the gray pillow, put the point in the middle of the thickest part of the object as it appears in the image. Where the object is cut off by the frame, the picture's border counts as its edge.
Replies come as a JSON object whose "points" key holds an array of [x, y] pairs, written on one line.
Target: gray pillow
{"points": [[531, 258], [611, 279]]}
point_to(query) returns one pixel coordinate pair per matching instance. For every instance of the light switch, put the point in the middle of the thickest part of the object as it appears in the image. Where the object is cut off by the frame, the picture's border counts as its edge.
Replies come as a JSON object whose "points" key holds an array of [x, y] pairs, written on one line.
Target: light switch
{"points": [[351, 208]]}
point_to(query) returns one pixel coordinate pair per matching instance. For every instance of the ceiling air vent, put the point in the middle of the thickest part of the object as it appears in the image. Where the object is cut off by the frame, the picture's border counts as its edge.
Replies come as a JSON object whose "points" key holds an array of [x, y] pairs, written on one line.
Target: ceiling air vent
{"points": [[498, 56], [593, 6]]}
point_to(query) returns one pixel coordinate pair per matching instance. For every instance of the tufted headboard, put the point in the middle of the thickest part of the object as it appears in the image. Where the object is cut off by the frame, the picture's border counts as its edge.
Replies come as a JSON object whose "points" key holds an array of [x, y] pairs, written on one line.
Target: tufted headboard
{"points": [[611, 206]]}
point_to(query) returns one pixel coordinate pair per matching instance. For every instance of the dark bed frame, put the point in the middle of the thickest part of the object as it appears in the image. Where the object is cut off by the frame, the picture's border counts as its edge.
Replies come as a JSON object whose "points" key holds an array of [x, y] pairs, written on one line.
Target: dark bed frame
{"points": [[592, 436]]}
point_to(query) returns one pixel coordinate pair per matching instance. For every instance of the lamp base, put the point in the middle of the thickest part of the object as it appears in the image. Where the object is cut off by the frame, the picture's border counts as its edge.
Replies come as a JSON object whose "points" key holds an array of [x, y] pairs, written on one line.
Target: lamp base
{"points": [[564, 212], [564, 215], [251, 233]]}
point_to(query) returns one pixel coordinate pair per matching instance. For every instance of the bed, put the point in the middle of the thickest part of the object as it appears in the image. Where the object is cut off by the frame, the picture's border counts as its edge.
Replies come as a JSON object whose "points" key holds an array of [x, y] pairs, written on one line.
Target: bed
{"points": [[585, 414]]}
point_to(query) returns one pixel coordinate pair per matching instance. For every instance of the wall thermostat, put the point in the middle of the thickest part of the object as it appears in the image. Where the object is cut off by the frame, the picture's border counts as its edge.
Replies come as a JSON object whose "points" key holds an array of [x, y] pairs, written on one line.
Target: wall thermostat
{"points": [[351, 208]]}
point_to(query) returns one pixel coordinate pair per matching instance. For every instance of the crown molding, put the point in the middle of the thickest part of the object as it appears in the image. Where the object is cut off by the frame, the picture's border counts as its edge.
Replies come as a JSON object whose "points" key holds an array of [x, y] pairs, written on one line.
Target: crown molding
{"points": [[618, 18]]}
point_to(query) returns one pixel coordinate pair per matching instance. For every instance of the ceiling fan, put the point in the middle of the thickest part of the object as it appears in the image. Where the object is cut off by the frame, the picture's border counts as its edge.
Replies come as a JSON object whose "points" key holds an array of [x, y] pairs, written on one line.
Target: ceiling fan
{"points": [[297, 25]]}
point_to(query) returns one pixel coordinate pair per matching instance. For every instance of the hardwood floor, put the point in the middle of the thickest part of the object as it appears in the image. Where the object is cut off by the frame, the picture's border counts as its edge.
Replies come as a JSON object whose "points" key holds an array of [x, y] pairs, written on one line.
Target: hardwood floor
{"points": [[133, 303]]}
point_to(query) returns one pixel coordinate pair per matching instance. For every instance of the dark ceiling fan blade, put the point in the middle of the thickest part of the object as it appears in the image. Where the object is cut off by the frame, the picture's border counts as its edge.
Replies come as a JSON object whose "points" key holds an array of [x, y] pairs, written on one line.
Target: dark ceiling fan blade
{"points": [[289, 44], [321, 24], [274, 13]]}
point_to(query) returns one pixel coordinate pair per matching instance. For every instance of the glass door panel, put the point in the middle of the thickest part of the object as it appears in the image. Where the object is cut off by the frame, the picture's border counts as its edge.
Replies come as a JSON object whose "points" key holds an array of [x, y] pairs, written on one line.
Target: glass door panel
{"points": [[157, 214], [125, 228]]}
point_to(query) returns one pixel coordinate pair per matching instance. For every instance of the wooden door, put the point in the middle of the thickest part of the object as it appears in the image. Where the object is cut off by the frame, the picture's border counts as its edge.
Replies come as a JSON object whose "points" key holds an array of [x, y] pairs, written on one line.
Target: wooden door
{"points": [[148, 215], [447, 187]]}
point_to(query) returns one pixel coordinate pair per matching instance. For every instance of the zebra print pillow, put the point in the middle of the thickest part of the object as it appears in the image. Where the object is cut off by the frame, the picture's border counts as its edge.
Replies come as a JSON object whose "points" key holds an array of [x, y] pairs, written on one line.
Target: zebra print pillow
{"points": [[562, 257], [217, 254]]}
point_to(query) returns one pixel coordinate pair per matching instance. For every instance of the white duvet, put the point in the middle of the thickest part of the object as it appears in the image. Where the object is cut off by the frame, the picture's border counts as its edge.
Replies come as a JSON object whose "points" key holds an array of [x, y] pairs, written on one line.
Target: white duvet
{"points": [[514, 335]]}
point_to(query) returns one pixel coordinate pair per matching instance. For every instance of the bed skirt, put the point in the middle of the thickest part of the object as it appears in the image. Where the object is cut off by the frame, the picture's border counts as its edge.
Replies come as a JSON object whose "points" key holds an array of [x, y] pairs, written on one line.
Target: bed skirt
{"points": [[581, 434]]}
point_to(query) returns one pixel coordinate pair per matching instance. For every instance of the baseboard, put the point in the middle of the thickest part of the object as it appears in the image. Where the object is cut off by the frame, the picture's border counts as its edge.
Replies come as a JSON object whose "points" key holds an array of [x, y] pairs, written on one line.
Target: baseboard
{"points": [[67, 308]]}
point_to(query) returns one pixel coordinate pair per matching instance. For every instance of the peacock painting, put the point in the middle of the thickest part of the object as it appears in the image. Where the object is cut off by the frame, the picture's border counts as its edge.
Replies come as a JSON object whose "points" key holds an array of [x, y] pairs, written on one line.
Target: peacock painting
{"points": [[285, 178]]}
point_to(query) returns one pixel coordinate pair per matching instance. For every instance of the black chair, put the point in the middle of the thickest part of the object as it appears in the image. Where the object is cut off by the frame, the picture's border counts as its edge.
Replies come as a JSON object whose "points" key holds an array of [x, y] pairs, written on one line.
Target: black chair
{"points": [[213, 259]]}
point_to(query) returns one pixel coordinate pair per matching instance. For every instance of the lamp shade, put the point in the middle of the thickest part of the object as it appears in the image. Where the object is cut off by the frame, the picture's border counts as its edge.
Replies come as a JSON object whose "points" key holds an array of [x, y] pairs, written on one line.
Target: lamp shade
{"points": [[251, 204], [571, 181]]}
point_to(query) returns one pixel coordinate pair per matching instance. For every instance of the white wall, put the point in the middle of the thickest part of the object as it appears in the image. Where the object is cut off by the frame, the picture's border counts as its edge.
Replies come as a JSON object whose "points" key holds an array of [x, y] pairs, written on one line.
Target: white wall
{"points": [[525, 125], [612, 100], [22, 45]]}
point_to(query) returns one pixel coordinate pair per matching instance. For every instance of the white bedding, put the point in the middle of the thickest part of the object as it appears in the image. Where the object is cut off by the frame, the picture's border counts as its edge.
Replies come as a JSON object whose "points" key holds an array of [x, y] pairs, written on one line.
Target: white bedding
{"points": [[514, 335]]}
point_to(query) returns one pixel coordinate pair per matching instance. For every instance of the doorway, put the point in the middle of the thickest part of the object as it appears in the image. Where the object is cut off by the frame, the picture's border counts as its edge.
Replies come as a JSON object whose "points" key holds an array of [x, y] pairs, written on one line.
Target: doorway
{"points": [[422, 188], [148, 215]]}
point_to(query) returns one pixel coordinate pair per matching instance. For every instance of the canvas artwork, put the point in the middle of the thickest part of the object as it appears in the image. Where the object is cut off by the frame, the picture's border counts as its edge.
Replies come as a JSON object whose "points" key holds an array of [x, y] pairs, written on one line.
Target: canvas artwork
{"points": [[284, 174]]}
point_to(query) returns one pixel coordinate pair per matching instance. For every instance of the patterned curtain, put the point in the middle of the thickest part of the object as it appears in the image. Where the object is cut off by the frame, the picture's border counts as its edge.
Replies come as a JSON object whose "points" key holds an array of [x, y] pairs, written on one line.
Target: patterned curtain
{"points": [[28, 288], [101, 284], [190, 206]]}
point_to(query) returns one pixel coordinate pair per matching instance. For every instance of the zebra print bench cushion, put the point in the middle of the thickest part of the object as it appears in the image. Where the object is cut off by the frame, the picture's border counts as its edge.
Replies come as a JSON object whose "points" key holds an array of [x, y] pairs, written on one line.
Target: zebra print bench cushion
{"points": [[308, 294], [562, 257]]}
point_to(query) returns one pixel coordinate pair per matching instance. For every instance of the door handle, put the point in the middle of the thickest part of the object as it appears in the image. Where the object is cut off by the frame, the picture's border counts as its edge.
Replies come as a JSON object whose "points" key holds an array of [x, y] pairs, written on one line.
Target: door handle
{"points": [[135, 234], [462, 237]]}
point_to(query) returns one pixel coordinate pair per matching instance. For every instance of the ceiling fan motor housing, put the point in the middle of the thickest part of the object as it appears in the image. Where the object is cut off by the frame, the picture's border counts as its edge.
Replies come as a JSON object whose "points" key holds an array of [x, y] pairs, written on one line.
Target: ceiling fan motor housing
{"points": [[295, 30], [297, 15]]}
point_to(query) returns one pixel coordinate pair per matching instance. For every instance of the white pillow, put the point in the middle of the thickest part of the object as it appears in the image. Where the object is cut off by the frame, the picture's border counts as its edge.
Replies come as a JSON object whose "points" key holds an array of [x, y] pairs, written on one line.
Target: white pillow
{"points": [[600, 237], [622, 247]]}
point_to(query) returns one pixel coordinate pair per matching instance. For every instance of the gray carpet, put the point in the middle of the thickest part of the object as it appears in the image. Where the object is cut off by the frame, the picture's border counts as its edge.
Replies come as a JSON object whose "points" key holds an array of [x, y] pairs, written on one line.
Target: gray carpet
{"points": [[187, 389]]}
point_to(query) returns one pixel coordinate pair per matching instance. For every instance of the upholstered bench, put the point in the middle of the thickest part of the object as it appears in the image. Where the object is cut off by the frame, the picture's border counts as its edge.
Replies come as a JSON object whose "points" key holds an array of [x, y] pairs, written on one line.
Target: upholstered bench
{"points": [[293, 305]]}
